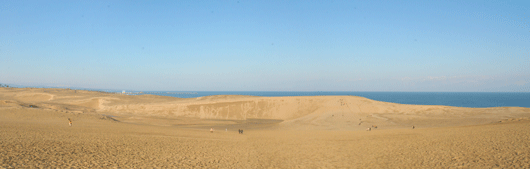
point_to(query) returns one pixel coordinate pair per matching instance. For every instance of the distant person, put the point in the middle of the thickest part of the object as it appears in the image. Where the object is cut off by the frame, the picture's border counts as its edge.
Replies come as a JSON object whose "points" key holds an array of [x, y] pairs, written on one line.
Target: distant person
{"points": [[413, 127], [69, 122], [211, 130], [369, 129]]}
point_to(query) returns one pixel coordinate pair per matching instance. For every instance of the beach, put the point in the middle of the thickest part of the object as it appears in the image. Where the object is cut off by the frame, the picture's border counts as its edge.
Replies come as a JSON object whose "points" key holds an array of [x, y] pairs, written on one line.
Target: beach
{"points": [[111, 130]]}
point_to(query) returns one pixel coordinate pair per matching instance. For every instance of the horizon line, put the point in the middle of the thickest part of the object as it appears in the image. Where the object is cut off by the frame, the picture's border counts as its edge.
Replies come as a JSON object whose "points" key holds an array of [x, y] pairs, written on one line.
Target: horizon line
{"points": [[105, 90]]}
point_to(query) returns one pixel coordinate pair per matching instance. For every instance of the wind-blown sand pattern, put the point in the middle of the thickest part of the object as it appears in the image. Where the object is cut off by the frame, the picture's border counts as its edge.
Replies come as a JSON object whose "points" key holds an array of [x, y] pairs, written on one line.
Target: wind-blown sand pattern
{"points": [[122, 131]]}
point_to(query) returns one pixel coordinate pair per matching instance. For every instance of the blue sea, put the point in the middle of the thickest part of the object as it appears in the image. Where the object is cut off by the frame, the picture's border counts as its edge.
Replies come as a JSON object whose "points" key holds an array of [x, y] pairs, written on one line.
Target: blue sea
{"points": [[458, 99]]}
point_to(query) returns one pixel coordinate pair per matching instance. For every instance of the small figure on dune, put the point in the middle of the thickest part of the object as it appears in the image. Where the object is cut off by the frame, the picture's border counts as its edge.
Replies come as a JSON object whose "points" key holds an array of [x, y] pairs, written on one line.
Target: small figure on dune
{"points": [[211, 130], [240, 131], [369, 129], [413, 127], [374, 126], [69, 122]]}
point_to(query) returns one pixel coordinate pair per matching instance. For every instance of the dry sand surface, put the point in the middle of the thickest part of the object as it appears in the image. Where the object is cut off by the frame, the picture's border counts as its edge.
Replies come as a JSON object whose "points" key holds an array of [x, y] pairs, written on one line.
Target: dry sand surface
{"points": [[121, 131]]}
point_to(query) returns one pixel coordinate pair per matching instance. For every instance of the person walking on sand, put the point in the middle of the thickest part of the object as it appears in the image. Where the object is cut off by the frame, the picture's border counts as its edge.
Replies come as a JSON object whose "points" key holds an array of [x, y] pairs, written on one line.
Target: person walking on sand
{"points": [[69, 122], [211, 130]]}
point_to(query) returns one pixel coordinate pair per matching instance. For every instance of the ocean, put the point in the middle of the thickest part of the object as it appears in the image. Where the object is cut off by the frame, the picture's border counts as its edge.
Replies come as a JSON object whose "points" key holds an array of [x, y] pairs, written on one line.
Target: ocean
{"points": [[458, 99]]}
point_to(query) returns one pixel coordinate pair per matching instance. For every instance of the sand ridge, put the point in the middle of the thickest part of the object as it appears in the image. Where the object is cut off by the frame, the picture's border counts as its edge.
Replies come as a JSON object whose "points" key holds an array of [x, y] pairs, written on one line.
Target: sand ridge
{"points": [[307, 112]]}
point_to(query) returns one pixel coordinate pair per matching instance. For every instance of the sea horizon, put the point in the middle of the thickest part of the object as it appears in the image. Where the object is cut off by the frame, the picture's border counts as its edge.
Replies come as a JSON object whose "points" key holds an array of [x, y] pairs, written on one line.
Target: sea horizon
{"points": [[476, 99], [457, 99]]}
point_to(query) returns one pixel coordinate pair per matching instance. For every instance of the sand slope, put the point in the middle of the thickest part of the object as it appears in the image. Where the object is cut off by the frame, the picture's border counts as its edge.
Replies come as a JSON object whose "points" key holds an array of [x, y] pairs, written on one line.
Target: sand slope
{"points": [[120, 131], [32, 138]]}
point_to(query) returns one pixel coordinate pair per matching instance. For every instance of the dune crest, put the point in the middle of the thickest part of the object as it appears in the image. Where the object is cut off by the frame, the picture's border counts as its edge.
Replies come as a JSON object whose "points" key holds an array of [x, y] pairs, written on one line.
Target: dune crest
{"points": [[304, 112]]}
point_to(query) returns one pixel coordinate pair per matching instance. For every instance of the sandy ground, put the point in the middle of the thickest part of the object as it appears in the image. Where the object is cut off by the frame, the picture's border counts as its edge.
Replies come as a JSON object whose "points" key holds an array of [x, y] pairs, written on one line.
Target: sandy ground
{"points": [[120, 131]]}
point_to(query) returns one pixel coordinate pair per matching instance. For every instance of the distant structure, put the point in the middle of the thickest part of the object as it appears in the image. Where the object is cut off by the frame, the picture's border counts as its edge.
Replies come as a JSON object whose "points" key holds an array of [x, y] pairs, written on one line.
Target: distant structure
{"points": [[123, 91]]}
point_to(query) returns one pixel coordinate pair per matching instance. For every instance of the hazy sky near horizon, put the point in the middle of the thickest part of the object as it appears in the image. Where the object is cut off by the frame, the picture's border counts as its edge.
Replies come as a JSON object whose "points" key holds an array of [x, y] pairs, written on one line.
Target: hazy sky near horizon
{"points": [[238, 45]]}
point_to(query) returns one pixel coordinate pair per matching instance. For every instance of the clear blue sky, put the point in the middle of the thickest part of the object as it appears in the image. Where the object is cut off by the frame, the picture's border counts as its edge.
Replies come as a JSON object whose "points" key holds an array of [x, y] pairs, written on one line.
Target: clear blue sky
{"points": [[267, 45]]}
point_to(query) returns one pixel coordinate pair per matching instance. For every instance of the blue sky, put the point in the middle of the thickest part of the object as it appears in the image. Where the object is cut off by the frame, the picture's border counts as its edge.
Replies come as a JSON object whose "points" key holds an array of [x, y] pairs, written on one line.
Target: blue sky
{"points": [[267, 45]]}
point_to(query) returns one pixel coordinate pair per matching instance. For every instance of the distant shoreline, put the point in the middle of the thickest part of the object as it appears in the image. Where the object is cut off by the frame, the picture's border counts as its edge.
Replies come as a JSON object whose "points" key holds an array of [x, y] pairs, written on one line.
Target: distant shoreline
{"points": [[456, 99]]}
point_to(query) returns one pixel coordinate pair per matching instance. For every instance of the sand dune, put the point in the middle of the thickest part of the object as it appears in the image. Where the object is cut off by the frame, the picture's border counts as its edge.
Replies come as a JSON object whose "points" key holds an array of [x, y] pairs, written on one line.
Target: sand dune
{"points": [[114, 130], [316, 112]]}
